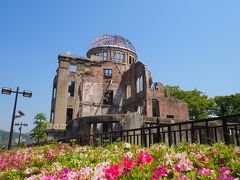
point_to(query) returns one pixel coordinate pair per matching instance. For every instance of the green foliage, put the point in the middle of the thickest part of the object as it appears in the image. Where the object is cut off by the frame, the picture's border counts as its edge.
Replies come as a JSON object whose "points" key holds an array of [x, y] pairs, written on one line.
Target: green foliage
{"points": [[199, 105], [39, 131], [73, 142], [231, 104]]}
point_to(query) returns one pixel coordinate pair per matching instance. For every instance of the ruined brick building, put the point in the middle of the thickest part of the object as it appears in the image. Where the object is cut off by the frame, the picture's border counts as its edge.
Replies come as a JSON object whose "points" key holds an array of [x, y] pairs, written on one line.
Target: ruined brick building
{"points": [[107, 85]]}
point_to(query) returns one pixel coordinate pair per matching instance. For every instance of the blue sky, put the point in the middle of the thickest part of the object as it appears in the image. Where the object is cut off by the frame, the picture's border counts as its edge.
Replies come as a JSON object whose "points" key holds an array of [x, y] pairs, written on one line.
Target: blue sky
{"points": [[192, 44]]}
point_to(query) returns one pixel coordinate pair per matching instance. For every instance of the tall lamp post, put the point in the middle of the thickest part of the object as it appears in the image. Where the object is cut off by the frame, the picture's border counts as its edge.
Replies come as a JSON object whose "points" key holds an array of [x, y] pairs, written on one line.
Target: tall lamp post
{"points": [[20, 130], [8, 91]]}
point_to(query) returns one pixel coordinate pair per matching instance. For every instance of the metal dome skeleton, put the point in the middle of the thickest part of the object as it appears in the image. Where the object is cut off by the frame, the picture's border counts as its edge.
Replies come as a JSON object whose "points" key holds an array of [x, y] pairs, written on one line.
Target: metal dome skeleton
{"points": [[112, 41]]}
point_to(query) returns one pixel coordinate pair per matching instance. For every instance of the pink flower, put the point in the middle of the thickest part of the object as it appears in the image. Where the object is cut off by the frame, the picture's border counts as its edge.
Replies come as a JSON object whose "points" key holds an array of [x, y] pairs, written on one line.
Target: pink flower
{"points": [[113, 172], [161, 172], [237, 151], [49, 177], [144, 157], [176, 167], [224, 171], [127, 163], [65, 170], [49, 154], [204, 171], [155, 177], [182, 177]]}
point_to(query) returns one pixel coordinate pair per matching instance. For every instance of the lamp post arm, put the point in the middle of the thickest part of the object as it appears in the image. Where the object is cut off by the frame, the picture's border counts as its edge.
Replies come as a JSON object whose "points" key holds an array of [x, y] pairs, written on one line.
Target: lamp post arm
{"points": [[13, 117]]}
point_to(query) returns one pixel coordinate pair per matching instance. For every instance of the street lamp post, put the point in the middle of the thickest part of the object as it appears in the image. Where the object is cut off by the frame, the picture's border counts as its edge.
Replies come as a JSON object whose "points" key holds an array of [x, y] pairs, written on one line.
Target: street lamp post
{"points": [[8, 91], [20, 130]]}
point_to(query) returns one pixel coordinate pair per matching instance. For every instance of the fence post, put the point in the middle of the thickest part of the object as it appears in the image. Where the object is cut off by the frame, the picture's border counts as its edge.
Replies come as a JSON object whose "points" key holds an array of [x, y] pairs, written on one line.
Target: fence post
{"points": [[158, 131], [236, 134], [180, 132], [169, 135], [225, 130], [143, 137], [192, 133], [207, 132], [149, 137]]}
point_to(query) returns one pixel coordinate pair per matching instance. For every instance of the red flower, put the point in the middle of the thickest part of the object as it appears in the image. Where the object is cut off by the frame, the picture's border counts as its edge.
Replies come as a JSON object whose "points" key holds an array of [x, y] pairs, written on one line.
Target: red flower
{"points": [[144, 157], [113, 172], [127, 163], [161, 172]]}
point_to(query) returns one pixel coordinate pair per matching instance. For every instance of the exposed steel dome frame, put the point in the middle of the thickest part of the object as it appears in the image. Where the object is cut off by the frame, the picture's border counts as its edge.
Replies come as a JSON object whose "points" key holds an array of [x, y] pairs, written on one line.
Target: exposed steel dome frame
{"points": [[112, 41]]}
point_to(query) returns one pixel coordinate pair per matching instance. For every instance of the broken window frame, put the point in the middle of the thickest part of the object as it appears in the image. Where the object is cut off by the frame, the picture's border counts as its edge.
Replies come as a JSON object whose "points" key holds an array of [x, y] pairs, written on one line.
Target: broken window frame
{"points": [[107, 73], [139, 83], [71, 87], [155, 108], [108, 97], [73, 68], [140, 109], [52, 116], [54, 92], [131, 60], [114, 56], [128, 91], [118, 56], [105, 55], [98, 53], [170, 116], [69, 114], [122, 56]]}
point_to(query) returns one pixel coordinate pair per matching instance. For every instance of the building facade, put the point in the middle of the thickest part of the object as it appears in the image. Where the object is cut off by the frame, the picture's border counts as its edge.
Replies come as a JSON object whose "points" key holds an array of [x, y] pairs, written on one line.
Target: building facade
{"points": [[108, 81]]}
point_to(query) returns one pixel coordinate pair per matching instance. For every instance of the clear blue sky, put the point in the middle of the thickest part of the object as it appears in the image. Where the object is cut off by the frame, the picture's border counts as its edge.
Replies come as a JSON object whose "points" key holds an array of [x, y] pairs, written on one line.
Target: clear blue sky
{"points": [[192, 44]]}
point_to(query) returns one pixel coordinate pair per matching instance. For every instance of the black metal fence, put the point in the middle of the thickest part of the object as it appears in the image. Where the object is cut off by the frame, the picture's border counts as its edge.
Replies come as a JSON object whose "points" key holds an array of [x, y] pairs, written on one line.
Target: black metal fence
{"points": [[206, 131]]}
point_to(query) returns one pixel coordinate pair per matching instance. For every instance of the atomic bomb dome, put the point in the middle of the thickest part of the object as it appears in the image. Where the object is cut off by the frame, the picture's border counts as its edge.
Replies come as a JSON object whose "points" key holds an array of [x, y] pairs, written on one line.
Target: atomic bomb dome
{"points": [[105, 90], [112, 41], [113, 47]]}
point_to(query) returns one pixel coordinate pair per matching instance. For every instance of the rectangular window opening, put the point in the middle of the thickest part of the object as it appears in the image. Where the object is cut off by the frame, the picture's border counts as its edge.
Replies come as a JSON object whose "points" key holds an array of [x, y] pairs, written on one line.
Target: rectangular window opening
{"points": [[130, 60], [52, 117], [54, 92], [105, 56], [73, 68], [155, 108], [108, 97], [122, 56], [118, 56], [107, 73], [139, 83], [71, 86], [170, 116], [69, 113], [114, 56], [128, 91], [140, 109]]}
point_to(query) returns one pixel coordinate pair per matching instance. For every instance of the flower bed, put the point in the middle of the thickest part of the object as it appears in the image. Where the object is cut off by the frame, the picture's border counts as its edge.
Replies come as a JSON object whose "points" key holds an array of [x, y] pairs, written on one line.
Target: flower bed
{"points": [[121, 161]]}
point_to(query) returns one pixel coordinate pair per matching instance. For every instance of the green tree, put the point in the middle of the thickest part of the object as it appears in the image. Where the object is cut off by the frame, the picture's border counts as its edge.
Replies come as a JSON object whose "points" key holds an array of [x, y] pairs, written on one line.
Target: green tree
{"points": [[39, 131], [231, 104], [199, 105]]}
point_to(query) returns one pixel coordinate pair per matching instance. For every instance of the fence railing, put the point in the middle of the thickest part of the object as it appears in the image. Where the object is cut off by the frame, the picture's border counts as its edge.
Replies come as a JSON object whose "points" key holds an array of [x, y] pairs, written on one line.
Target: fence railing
{"points": [[206, 131]]}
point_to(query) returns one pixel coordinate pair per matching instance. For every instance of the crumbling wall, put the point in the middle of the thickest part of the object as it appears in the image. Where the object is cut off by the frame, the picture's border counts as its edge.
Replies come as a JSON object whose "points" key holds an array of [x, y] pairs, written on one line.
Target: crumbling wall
{"points": [[137, 99]]}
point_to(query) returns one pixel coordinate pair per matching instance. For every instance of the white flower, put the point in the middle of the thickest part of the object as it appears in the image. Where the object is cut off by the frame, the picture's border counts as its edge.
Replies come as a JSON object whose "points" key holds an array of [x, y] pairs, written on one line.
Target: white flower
{"points": [[128, 154], [28, 170], [127, 145]]}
